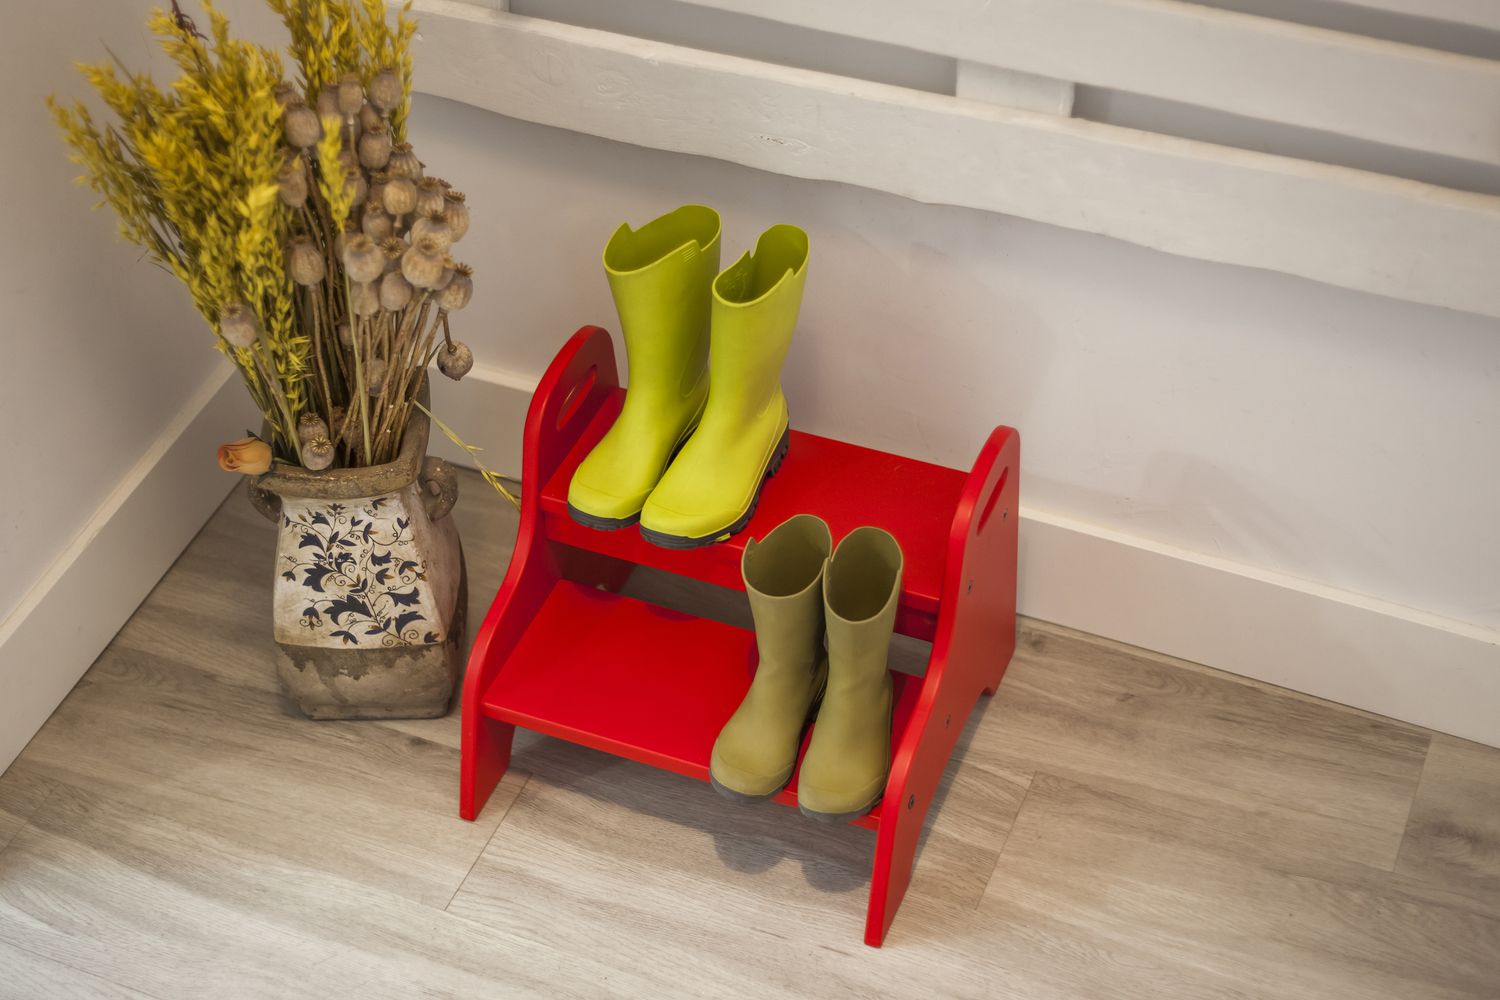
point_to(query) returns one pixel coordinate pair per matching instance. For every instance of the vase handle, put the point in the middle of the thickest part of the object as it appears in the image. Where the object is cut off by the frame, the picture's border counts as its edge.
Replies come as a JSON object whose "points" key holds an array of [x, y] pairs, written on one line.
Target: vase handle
{"points": [[264, 500], [439, 487]]}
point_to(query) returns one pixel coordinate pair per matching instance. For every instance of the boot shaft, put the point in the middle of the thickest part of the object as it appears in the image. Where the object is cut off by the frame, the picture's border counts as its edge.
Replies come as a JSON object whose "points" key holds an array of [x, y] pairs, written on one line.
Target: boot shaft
{"points": [[661, 277], [756, 301], [783, 575], [861, 589]]}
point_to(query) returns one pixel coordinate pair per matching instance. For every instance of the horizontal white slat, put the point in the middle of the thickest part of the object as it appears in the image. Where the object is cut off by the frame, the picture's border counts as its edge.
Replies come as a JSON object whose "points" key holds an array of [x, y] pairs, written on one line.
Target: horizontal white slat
{"points": [[1380, 91], [1364, 231], [1474, 13]]}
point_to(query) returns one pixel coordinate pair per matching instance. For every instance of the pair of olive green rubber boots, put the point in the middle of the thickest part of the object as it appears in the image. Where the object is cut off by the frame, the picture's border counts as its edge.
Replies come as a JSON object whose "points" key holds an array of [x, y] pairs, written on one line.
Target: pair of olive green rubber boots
{"points": [[700, 430], [800, 590]]}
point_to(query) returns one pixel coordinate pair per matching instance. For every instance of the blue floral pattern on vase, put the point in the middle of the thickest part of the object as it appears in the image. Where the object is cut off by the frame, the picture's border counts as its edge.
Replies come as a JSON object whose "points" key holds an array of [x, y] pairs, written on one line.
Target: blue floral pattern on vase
{"points": [[356, 571]]}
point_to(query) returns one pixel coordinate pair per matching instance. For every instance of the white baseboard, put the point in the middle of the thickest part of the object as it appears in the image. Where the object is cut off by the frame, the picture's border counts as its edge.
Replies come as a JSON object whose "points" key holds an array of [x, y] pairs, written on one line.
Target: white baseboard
{"points": [[1334, 644], [115, 559], [1346, 647]]}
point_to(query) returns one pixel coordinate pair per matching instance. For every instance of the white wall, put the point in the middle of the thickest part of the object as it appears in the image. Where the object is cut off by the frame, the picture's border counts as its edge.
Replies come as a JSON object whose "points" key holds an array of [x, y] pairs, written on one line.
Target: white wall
{"points": [[105, 363]]}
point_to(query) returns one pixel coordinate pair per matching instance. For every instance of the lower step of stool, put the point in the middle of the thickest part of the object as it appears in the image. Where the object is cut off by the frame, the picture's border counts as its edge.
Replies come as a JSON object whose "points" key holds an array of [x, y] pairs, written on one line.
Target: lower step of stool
{"points": [[636, 680]]}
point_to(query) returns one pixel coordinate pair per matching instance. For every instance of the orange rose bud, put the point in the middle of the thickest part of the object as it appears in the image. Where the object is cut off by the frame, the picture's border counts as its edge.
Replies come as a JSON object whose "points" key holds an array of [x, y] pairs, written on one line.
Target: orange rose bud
{"points": [[249, 455]]}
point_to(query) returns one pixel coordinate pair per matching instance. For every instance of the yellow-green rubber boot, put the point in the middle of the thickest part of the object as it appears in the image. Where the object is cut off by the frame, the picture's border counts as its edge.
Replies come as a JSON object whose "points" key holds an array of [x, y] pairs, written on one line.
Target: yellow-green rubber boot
{"points": [[710, 490], [843, 774], [756, 751], [661, 276]]}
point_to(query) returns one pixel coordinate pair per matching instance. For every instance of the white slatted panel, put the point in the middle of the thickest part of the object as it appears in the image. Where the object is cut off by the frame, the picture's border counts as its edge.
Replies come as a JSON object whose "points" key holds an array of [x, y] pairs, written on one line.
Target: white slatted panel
{"points": [[1259, 67], [1379, 234], [1474, 13]]}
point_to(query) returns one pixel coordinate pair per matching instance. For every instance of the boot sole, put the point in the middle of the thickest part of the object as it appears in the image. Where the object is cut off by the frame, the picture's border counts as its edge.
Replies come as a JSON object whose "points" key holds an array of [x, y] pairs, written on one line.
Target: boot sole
{"points": [[741, 797], [844, 817], [679, 542], [602, 523]]}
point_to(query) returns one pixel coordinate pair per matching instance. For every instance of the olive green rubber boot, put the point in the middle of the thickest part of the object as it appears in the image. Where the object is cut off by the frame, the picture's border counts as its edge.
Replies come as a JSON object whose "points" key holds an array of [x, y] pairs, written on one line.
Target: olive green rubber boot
{"points": [[756, 751], [661, 276], [711, 489], [843, 774]]}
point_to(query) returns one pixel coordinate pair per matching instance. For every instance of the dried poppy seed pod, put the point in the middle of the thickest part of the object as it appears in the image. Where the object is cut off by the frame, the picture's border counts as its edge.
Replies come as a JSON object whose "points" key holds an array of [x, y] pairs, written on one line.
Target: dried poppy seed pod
{"points": [[375, 147], [238, 324], [376, 222], [404, 162], [455, 360], [363, 260], [433, 228], [301, 126], [286, 94], [317, 453], [346, 335], [356, 185], [309, 426], [378, 180], [369, 118], [364, 298], [456, 213], [375, 372], [291, 182], [457, 293], [399, 196], [304, 261], [395, 291], [430, 196], [386, 90], [394, 247], [328, 102], [423, 264], [448, 272], [351, 95]]}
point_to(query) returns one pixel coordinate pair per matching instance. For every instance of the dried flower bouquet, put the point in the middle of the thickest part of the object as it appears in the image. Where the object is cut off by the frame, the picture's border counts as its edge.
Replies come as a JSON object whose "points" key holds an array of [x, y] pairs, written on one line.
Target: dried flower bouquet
{"points": [[301, 221]]}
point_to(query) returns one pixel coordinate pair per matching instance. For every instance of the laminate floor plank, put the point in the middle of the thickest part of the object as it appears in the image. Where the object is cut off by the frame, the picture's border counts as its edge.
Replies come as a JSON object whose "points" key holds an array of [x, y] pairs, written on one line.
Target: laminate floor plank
{"points": [[21, 794], [24, 976], [1311, 775], [1123, 872], [1453, 836]]}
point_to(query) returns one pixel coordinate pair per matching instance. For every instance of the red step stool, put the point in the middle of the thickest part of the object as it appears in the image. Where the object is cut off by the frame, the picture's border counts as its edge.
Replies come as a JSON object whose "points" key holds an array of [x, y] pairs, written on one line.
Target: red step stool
{"points": [[561, 653]]}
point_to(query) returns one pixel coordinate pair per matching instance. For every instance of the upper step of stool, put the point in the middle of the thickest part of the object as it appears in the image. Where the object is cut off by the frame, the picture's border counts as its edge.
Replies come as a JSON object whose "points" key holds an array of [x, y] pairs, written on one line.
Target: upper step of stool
{"points": [[845, 484]]}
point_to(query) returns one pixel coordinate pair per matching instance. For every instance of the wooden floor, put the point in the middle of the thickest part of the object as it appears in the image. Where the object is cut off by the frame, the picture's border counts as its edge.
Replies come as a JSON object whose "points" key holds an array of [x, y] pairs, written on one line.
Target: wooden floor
{"points": [[1115, 824]]}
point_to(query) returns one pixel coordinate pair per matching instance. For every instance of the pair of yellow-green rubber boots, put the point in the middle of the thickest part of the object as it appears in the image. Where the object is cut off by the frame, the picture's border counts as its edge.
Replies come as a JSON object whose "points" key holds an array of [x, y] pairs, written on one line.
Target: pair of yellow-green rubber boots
{"points": [[687, 463], [699, 433]]}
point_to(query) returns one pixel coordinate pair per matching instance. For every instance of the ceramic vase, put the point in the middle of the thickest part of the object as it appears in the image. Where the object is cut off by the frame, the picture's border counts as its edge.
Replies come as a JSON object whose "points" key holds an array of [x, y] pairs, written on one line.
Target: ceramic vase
{"points": [[370, 586]]}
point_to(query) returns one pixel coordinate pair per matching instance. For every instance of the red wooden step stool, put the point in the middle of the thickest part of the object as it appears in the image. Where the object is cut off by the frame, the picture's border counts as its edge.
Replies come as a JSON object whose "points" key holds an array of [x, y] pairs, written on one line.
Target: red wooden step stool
{"points": [[561, 653]]}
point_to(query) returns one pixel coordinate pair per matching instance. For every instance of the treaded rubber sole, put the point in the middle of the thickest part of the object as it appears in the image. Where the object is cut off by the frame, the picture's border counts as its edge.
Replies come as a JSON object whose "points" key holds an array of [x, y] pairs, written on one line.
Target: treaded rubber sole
{"points": [[741, 797], [841, 817], [679, 542], [602, 523]]}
